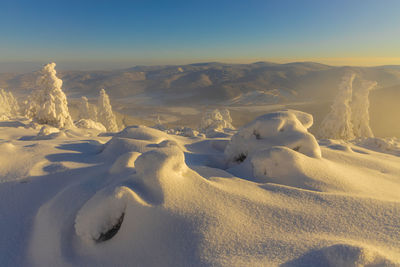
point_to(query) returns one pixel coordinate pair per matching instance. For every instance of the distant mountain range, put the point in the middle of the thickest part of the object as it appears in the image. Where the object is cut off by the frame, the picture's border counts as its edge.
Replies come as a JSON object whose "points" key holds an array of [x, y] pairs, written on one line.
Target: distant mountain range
{"points": [[260, 82], [248, 90]]}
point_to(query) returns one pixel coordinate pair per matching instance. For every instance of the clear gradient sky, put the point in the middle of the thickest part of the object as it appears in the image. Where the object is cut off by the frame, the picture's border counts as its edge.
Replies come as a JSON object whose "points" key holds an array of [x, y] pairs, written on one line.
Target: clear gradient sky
{"points": [[122, 33]]}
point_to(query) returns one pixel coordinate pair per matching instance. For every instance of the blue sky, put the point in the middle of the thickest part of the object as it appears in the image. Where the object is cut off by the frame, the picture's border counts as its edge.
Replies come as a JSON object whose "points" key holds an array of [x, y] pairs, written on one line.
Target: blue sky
{"points": [[171, 32]]}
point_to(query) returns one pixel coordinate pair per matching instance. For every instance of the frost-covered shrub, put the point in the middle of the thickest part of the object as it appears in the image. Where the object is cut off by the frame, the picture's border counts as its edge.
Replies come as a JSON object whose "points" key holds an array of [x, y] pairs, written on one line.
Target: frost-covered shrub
{"points": [[283, 128], [105, 114], [48, 104], [338, 123], [216, 120], [8, 105]]}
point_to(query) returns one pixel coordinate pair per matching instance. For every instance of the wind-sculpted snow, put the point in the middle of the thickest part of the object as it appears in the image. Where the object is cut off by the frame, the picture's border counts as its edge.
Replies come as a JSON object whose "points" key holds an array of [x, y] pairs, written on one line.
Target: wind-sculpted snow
{"points": [[142, 197]]}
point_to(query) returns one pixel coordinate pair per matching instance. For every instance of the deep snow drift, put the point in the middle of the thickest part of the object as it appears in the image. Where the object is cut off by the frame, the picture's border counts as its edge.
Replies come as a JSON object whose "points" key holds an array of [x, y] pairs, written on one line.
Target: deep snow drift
{"points": [[268, 194]]}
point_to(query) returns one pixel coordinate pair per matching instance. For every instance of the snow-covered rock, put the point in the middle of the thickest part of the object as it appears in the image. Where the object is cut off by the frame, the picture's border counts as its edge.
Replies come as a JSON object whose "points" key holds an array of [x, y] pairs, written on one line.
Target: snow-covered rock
{"points": [[283, 128]]}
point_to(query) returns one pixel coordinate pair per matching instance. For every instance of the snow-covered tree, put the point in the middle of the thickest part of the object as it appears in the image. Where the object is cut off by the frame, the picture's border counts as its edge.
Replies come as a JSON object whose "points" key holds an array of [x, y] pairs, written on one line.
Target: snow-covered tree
{"points": [[48, 104], [8, 105], [359, 109], [105, 114], [338, 123], [86, 110]]}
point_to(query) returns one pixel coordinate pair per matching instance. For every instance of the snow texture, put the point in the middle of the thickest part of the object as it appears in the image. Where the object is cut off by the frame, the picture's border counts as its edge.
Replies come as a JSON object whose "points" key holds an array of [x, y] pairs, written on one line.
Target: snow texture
{"points": [[143, 197]]}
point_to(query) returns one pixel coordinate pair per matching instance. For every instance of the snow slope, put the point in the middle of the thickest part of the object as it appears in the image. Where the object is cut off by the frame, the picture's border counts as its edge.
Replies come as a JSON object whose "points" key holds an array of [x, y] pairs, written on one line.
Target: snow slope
{"points": [[143, 197]]}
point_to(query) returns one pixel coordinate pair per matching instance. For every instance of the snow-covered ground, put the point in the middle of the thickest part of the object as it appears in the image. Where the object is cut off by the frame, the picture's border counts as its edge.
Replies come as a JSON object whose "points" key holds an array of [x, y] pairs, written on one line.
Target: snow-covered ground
{"points": [[268, 194], [79, 188]]}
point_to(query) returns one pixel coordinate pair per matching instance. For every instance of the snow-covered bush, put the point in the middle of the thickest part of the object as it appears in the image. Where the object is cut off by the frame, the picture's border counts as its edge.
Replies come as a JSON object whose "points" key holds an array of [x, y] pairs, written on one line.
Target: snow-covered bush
{"points": [[90, 124], [216, 120], [185, 131], [48, 104], [283, 128], [8, 105], [359, 109], [105, 114], [159, 125], [47, 130], [338, 123]]}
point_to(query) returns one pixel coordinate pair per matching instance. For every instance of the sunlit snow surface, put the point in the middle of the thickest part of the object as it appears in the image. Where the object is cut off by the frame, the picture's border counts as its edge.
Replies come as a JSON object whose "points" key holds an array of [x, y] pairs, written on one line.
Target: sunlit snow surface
{"points": [[144, 197]]}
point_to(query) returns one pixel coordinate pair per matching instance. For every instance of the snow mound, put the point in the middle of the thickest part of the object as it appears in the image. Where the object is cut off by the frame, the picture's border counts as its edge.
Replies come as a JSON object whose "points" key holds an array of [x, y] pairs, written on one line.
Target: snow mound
{"points": [[156, 171], [90, 124], [215, 121], [124, 161], [384, 145], [142, 133], [101, 217], [135, 139], [47, 130], [160, 169], [281, 165], [283, 128], [343, 255]]}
